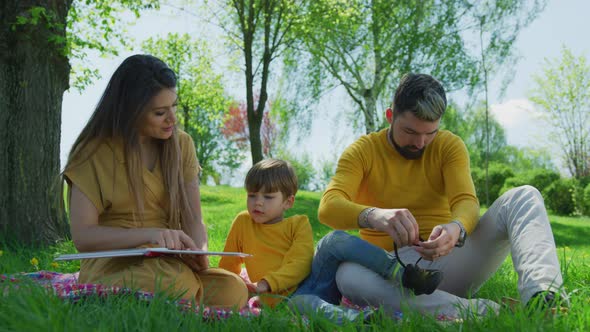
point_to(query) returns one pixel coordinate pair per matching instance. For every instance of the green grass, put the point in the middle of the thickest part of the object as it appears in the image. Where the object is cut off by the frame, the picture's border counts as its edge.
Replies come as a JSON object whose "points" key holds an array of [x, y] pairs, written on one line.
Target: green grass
{"points": [[31, 308]]}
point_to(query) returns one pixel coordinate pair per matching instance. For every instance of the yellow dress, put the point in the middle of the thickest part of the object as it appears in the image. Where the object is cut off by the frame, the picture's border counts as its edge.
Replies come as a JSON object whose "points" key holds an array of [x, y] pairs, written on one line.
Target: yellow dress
{"points": [[102, 178]]}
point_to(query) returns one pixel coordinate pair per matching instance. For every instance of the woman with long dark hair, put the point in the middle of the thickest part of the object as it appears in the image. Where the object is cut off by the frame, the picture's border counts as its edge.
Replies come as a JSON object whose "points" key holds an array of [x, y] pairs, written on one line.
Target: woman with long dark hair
{"points": [[133, 180]]}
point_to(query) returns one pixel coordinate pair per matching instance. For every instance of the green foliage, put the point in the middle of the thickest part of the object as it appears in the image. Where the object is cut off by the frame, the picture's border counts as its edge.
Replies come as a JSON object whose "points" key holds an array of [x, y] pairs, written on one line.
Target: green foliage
{"points": [[458, 121], [202, 101], [560, 196], [261, 30], [37, 15], [586, 201], [496, 25], [467, 124], [99, 26], [504, 159], [538, 178], [497, 173], [562, 91], [303, 169], [476, 141], [526, 159], [366, 46], [326, 171]]}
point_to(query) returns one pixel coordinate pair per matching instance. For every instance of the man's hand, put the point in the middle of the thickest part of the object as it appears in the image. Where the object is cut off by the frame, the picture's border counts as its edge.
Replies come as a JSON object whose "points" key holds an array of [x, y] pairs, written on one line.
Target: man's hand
{"points": [[400, 224], [441, 241]]}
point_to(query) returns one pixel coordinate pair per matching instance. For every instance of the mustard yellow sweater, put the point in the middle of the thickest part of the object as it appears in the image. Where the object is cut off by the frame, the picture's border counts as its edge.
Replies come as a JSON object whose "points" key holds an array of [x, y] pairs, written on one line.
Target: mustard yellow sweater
{"points": [[436, 188], [282, 252]]}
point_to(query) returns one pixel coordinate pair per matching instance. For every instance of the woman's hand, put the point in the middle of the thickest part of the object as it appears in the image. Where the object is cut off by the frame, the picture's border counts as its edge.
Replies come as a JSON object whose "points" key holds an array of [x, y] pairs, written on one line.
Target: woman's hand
{"points": [[196, 262], [172, 239]]}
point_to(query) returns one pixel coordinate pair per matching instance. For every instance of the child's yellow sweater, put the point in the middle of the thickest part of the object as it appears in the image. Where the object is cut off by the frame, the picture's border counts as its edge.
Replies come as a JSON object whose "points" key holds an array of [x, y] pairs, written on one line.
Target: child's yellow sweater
{"points": [[281, 252]]}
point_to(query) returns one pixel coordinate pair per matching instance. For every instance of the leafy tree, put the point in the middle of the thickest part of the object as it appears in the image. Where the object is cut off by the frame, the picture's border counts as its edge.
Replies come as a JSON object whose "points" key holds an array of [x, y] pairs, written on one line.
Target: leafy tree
{"points": [[236, 128], [586, 200], [467, 124], [327, 169], [366, 46], [304, 169], [563, 93], [34, 73], [457, 120], [498, 24], [261, 29], [482, 141], [526, 159], [202, 102]]}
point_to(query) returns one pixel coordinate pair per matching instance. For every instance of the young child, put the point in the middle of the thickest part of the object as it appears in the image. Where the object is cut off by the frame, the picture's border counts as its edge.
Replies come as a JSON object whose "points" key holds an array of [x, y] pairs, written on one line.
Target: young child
{"points": [[281, 248], [283, 261]]}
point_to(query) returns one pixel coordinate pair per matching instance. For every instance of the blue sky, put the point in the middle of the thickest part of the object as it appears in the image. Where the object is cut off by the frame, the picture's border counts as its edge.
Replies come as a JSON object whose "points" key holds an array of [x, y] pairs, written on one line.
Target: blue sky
{"points": [[564, 22]]}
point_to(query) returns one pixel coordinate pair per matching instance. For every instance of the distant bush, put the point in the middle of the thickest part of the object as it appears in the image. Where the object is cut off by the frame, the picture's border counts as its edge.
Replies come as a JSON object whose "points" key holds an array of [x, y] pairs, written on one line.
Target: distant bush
{"points": [[539, 178], [586, 201], [303, 169], [560, 196], [498, 173]]}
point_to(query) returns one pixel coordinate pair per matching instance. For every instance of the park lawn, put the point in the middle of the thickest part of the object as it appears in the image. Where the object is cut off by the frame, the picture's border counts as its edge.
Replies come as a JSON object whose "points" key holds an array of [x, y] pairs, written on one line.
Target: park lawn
{"points": [[32, 308]]}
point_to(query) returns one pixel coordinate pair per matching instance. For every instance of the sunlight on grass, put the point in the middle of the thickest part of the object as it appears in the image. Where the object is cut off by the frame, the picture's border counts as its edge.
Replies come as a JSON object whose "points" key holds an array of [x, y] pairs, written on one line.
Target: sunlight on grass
{"points": [[30, 307]]}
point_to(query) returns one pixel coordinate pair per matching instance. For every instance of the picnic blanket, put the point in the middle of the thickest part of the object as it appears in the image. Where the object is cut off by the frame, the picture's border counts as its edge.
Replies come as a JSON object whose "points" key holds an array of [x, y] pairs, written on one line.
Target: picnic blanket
{"points": [[66, 286]]}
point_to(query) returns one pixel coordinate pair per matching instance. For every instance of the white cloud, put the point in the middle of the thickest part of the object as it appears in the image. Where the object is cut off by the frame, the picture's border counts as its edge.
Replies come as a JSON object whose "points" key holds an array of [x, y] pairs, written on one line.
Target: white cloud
{"points": [[522, 123]]}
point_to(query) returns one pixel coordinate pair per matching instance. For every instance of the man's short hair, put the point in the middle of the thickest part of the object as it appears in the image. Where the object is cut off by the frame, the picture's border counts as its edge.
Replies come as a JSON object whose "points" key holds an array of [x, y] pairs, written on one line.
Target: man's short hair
{"points": [[272, 175], [422, 95]]}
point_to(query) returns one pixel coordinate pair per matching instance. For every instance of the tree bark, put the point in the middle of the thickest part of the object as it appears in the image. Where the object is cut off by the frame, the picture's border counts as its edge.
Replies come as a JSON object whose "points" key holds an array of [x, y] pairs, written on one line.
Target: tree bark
{"points": [[371, 113], [34, 73], [254, 119]]}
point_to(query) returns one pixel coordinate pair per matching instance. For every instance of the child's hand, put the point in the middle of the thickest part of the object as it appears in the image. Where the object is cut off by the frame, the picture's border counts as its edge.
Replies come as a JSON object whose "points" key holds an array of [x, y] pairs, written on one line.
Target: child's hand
{"points": [[262, 287], [251, 287]]}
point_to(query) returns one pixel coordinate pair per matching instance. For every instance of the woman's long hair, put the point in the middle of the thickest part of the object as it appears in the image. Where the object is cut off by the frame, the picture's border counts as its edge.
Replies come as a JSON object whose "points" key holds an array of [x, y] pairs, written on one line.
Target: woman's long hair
{"points": [[117, 116]]}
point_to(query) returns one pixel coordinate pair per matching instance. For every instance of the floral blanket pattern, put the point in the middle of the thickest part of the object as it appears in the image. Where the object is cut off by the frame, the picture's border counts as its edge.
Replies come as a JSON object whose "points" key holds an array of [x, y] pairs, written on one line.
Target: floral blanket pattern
{"points": [[66, 286]]}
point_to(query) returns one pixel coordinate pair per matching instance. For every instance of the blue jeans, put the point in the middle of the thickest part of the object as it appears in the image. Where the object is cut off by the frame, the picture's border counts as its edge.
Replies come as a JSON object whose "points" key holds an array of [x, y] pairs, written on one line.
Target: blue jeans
{"points": [[319, 292]]}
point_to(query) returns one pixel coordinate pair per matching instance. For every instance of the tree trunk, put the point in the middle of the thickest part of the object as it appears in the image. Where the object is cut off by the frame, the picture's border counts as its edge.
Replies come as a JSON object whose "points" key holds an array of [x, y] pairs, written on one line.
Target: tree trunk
{"points": [[371, 112], [34, 73], [254, 119], [255, 141]]}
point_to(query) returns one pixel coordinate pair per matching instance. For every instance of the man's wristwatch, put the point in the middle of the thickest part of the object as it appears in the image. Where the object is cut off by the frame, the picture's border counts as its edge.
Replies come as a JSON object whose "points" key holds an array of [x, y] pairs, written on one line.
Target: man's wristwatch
{"points": [[363, 220], [462, 234]]}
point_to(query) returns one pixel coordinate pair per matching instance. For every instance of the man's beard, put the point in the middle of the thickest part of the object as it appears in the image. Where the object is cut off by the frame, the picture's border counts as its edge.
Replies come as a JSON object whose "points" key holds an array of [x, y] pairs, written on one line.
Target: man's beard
{"points": [[408, 151]]}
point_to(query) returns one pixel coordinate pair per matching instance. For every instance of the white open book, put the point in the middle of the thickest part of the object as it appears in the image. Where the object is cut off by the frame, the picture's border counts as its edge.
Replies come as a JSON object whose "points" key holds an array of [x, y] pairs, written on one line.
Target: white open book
{"points": [[149, 252]]}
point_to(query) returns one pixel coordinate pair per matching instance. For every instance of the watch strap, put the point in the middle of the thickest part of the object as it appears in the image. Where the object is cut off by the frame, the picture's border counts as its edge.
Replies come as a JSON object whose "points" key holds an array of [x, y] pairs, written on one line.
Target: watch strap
{"points": [[462, 234], [363, 221]]}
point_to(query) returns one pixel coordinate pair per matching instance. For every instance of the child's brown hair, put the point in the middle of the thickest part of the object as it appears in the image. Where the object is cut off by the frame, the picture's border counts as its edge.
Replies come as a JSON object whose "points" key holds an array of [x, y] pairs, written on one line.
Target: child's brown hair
{"points": [[271, 175]]}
